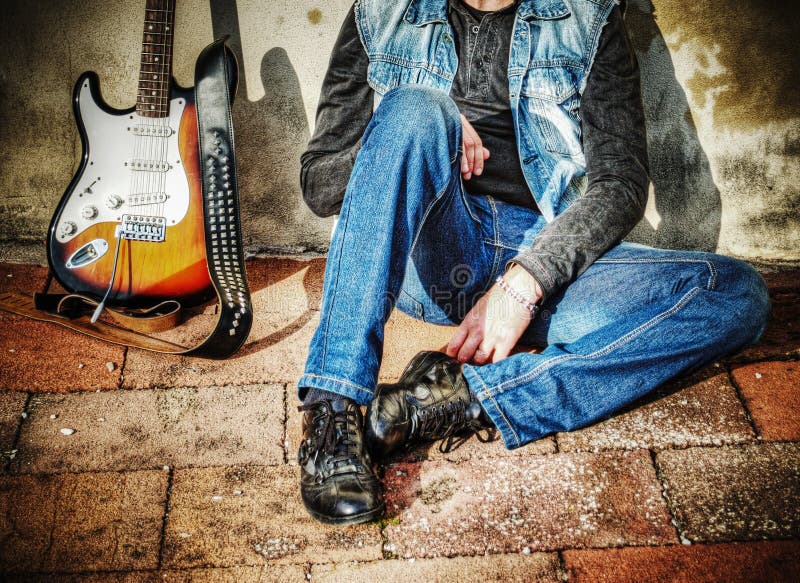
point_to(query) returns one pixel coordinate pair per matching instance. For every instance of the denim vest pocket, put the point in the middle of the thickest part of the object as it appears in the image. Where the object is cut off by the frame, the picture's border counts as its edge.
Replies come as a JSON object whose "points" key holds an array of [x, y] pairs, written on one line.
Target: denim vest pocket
{"points": [[384, 74], [549, 95]]}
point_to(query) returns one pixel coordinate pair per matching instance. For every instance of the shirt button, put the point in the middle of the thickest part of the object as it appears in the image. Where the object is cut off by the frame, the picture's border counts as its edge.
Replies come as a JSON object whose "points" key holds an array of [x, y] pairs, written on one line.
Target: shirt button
{"points": [[475, 29]]}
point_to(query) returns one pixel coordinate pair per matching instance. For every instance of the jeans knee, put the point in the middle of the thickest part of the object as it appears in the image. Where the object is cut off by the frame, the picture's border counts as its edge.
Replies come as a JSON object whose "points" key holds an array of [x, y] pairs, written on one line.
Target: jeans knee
{"points": [[749, 292], [420, 113]]}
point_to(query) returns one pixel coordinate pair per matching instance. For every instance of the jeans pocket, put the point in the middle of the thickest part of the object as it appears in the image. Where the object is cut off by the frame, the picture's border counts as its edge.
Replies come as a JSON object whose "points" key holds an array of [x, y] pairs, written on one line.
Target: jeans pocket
{"points": [[408, 305]]}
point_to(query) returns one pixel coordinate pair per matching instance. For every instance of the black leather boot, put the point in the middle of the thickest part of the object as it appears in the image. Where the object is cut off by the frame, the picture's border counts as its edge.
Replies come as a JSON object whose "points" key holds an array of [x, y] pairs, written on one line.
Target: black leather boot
{"points": [[431, 401], [337, 483]]}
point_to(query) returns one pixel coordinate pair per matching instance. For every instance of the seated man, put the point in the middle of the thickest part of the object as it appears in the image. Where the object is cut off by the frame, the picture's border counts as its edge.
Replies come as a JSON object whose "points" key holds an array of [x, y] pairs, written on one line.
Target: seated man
{"points": [[491, 189]]}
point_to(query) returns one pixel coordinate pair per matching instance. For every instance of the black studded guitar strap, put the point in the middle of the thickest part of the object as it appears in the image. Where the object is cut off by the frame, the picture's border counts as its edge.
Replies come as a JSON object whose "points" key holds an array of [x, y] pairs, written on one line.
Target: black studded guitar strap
{"points": [[216, 76], [215, 81]]}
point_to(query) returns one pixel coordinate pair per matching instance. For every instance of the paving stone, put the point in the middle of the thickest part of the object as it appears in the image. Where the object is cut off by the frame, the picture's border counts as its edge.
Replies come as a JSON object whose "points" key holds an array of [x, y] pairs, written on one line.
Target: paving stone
{"points": [[782, 334], [530, 568], [472, 448], [261, 574], [253, 515], [734, 493], [176, 427], [39, 356], [12, 406], [701, 410], [84, 522], [24, 278], [772, 393], [300, 281], [538, 503], [730, 562]]}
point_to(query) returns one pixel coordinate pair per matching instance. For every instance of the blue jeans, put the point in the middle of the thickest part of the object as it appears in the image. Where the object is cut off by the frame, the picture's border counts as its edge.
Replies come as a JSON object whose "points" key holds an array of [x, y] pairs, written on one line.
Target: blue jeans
{"points": [[410, 236]]}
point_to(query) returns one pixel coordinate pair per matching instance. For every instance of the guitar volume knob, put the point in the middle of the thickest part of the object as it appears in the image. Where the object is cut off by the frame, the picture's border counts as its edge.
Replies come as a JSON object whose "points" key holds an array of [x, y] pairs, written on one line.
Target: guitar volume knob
{"points": [[68, 228], [114, 201], [89, 212]]}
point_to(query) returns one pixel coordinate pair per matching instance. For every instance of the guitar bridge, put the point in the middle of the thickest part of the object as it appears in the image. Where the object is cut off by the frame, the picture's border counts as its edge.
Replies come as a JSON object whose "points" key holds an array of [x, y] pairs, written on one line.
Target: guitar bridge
{"points": [[142, 228]]}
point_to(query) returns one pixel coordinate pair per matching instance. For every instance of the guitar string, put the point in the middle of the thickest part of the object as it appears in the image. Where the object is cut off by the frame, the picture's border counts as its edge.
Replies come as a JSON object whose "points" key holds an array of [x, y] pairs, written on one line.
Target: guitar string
{"points": [[157, 121], [167, 37]]}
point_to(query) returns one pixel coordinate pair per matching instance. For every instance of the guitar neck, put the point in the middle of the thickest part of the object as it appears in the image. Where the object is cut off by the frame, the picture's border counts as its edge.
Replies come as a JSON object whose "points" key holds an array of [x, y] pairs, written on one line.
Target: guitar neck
{"points": [[155, 69]]}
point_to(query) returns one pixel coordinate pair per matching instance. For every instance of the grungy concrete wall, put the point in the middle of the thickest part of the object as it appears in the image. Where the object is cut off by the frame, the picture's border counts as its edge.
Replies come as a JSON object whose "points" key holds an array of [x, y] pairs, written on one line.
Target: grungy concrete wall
{"points": [[720, 84]]}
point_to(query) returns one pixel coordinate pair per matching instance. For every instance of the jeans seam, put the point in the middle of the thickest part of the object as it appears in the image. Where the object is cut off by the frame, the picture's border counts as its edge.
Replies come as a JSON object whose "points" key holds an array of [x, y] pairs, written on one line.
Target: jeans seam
{"points": [[712, 278], [349, 384], [464, 196], [495, 242], [497, 406], [437, 197], [527, 377], [336, 285]]}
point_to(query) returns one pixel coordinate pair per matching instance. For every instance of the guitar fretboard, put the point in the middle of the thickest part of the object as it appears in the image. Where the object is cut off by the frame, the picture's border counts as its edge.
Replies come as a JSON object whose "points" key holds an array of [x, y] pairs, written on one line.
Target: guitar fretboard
{"points": [[155, 70]]}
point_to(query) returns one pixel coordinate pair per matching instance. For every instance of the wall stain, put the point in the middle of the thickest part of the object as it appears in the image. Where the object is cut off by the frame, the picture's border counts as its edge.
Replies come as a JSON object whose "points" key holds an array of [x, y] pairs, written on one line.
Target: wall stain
{"points": [[755, 41], [315, 16]]}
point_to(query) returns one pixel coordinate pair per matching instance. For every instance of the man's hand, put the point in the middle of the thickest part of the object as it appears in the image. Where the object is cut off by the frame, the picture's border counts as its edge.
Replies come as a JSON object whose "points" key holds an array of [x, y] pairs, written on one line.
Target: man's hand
{"points": [[493, 326], [474, 153]]}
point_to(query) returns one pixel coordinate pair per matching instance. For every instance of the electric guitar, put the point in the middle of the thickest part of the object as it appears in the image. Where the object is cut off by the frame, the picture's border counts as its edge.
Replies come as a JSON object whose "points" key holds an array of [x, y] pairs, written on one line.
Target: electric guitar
{"points": [[129, 228]]}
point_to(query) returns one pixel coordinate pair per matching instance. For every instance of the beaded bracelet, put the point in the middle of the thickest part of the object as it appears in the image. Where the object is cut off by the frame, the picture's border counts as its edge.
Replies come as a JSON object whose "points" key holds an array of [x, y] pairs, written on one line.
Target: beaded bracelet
{"points": [[518, 297]]}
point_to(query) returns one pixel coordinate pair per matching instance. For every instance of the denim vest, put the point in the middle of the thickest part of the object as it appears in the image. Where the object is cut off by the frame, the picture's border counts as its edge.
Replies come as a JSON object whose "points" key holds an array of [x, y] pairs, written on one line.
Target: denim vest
{"points": [[552, 49]]}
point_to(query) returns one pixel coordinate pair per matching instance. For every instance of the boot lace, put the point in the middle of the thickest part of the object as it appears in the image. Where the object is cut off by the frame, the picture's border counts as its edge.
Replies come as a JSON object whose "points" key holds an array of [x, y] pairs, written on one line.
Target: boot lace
{"points": [[449, 423], [335, 431]]}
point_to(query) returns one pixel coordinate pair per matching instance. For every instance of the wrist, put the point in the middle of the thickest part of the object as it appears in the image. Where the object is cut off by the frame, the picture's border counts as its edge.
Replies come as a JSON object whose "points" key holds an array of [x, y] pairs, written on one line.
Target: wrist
{"points": [[524, 283]]}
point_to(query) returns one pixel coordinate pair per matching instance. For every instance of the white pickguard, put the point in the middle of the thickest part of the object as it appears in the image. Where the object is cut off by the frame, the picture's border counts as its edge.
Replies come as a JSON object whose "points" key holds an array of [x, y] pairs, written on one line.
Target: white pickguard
{"points": [[115, 147]]}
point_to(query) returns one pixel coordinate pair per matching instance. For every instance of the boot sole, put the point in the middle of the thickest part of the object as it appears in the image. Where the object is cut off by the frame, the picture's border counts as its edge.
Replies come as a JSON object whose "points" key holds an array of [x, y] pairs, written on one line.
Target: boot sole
{"points": [[370, 516]]}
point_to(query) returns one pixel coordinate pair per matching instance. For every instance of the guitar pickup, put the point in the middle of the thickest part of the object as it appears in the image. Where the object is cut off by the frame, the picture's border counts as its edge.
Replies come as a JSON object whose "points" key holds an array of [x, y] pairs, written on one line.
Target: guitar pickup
{"points": [[145, 198], [148, 165], [151, 131], [142, 228]]}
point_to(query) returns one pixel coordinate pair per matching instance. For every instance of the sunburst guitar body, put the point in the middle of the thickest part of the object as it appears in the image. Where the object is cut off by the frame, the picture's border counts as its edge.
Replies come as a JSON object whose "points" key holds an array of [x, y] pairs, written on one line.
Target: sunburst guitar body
{"points": [[129, 227]]}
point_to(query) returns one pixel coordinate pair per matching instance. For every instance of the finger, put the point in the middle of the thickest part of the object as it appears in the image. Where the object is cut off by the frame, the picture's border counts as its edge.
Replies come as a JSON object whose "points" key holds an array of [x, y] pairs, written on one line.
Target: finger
{"points": [[469, 156], [482, 355], [465, 127], [479, 151], [456, 341], [501, 350], [472, 142], [469, 347]]}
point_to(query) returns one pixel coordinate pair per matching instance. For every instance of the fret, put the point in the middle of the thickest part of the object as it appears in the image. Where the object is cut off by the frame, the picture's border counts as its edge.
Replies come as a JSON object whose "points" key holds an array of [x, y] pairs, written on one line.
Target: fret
{"points": [[155, 67]]}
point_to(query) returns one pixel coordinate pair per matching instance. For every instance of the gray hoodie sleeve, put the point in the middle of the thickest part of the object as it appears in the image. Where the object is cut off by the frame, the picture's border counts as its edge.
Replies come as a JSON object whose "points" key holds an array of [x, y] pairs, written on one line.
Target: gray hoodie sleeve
{"points": [[344, 110], [615, 144]]}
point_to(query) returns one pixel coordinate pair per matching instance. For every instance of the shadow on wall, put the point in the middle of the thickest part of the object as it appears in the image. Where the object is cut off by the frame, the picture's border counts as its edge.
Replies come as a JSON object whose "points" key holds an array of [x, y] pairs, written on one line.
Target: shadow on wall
{"points": [[271, 134], [686, 197]]}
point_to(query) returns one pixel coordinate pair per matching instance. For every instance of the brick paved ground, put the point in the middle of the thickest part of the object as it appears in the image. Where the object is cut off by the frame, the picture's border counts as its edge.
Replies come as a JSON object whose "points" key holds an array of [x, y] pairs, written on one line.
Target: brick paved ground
{"points": [[181, 469]]}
